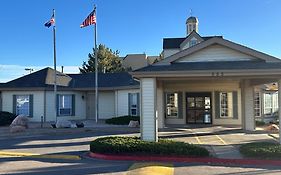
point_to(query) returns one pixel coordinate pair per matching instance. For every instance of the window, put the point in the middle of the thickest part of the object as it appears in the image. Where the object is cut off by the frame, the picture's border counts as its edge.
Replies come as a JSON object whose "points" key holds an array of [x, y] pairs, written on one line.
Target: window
{"points": [[257, 107], [133, 104], [270, 103], [22, 105], [226, 105], [65, 105], [192, 43], [172, 104]]}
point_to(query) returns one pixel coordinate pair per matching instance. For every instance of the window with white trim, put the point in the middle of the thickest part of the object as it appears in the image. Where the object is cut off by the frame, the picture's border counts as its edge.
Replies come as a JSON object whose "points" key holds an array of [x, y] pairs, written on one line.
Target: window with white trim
{"points": [[133, 104], [172, 104], [270, 103], [22, 105], [65, 105], [226, 105], [257, 107]]}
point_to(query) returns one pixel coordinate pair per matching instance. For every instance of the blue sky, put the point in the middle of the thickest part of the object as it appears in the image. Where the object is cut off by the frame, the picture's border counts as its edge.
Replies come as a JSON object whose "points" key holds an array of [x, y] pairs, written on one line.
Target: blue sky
{"points": [[130, 26]]}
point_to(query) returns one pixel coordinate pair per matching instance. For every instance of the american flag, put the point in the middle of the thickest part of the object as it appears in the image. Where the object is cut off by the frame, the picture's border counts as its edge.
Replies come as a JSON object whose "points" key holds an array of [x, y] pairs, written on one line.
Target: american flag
{"points": [[50, 22], [90, 20]]}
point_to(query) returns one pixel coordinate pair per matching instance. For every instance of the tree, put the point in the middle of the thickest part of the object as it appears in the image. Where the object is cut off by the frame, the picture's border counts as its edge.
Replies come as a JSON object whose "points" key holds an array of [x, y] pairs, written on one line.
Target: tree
{"points": [[108, 61]]}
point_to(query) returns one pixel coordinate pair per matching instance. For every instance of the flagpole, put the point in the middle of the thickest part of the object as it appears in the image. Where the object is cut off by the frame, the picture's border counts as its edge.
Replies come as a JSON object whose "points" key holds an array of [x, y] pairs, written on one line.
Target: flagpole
{"points": [[96, 70], [55, 67]]}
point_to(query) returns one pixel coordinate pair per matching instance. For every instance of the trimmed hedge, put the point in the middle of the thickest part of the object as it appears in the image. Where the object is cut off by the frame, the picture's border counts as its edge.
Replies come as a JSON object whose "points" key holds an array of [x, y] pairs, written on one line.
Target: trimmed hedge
{"points": [[123, 120], [6, 118], [264, 150], [135, 146]]}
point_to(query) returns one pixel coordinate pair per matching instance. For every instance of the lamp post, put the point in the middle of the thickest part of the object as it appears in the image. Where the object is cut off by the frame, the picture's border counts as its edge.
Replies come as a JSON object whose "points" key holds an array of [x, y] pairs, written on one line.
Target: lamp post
{"points": [[29, 69]]}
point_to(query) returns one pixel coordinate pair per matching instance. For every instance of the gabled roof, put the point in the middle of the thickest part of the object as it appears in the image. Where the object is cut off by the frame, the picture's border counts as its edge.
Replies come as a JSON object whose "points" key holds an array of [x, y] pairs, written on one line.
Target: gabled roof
{"points": [[190, 36], [43, 79], [174, 43], [220, 41], [135, 61]]}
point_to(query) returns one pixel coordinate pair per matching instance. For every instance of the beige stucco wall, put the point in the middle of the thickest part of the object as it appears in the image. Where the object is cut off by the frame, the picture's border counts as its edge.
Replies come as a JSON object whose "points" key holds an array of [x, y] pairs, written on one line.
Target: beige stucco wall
{"points": [[122, 101], [38, 102], [106, 105], [205, 86], [80, 106]]}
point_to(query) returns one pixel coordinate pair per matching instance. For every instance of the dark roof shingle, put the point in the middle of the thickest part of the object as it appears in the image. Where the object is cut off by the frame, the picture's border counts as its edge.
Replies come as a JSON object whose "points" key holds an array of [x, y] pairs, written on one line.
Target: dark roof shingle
{"points": [[44, 78], [219, 65]]}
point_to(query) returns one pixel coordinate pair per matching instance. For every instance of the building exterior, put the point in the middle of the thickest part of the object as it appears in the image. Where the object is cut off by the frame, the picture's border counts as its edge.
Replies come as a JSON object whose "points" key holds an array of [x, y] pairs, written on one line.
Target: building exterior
{"points": [[203, 80], [266, 103], [33, 96], [137, 61]]}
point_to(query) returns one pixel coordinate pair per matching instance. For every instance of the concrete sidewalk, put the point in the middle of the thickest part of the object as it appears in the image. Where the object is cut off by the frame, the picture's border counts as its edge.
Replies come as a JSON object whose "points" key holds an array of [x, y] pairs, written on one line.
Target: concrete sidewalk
{"points": [[35, 129]]}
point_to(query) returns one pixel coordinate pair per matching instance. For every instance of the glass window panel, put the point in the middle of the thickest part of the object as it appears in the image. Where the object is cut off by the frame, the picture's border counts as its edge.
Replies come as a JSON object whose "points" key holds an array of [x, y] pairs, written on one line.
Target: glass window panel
{"points": [[65, 104], [171, 104], [226, 104], [22, 105]]}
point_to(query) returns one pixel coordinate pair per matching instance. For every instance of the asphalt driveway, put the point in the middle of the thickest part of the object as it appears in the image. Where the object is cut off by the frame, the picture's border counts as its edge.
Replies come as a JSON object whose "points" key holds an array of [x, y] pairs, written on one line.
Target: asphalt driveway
{"points": [[76, 144]]}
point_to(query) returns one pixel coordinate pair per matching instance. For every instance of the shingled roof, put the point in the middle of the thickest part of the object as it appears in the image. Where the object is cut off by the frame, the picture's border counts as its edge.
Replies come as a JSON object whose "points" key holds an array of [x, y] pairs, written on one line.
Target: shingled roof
{"points": [[44, 79], [174, 43], [216, 65]]}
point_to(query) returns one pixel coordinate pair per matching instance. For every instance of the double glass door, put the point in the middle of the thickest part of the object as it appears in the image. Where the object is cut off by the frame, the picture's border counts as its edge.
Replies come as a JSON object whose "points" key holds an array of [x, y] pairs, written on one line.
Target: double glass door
{"points": [[198, 108]]}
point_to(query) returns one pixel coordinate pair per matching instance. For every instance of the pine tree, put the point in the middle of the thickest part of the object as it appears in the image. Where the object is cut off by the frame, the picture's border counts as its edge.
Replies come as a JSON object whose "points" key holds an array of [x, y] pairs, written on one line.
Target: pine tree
{"points": [[108, 61]]}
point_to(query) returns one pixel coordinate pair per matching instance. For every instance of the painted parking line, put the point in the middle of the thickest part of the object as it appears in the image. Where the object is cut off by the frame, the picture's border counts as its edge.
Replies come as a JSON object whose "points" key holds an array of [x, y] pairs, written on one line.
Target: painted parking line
{"points": [[272, 136], [198, 140], [221, 140], [151, 169], [44, 156]]}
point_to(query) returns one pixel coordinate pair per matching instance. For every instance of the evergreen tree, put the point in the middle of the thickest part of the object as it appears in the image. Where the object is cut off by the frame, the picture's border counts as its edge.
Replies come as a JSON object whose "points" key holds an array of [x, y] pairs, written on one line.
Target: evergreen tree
{"points": [[108, 61]]}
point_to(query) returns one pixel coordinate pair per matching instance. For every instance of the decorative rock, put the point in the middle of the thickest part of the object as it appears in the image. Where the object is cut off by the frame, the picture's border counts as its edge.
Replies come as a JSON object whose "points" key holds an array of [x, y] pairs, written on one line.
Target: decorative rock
{"points": [[133, 124], [272, 127], [73, 125], [63, 124], [20, 120]]}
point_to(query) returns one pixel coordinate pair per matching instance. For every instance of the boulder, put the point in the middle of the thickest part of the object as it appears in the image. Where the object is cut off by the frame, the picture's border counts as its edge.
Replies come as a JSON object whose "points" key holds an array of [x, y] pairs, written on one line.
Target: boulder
{"points": [[20, 120], [133, 124], [63, 124], [272, 127], [73, 125], [18, 128]]}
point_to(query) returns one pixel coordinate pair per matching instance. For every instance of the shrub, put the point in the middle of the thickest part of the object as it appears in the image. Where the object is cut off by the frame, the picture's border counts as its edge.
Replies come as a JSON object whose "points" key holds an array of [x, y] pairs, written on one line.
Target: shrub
{"points": [[260, 123], [265, 150], [123, 120], [6, 118], [135, 146]]}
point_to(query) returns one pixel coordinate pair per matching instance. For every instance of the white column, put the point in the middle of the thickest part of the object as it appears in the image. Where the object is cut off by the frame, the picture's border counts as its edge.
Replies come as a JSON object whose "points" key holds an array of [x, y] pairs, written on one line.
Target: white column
{"points": [[160, 105], [248, 97], [279, 107], [149, 130]]}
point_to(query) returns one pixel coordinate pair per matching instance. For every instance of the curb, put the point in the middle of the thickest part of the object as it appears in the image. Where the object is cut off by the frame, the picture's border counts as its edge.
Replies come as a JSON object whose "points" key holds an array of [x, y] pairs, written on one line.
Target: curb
{"points": [[187, 159]]}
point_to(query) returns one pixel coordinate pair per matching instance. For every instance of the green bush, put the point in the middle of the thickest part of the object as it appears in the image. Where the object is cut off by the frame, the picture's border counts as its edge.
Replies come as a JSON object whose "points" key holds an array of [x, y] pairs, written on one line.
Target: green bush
{"points": [[6, 118], [265, 150], [123, 120], [133, 145], [260, 123]]}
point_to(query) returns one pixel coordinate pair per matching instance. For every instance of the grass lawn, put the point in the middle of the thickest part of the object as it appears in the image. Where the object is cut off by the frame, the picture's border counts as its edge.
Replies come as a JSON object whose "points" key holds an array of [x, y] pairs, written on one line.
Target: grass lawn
{"points": [[263, 150], [135, 146]]}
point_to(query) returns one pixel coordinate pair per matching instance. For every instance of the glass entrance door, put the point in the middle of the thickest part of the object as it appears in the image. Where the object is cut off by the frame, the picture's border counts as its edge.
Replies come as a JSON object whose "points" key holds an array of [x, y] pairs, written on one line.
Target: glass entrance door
{"points": [[198, 106]]}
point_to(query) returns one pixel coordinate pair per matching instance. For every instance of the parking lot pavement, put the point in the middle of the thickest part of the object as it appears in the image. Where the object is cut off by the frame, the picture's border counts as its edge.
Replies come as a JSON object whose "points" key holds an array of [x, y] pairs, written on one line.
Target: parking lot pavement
{"points": [[222, 142]]}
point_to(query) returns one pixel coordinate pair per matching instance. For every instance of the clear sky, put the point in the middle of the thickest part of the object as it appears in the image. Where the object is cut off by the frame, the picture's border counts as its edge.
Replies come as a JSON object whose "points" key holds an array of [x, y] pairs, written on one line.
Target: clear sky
{"points": [[130, 26]]}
